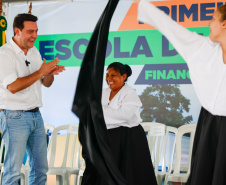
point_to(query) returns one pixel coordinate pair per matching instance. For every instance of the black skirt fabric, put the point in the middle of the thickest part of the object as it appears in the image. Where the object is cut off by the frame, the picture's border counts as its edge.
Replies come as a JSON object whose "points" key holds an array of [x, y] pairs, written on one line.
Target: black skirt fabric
{"points": [[132, 157], [208, 166]]}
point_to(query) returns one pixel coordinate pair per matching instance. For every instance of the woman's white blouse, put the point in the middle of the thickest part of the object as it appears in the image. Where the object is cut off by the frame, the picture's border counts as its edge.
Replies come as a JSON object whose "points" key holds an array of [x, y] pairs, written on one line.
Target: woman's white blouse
{"points": [[123, 109], [204, 57]]}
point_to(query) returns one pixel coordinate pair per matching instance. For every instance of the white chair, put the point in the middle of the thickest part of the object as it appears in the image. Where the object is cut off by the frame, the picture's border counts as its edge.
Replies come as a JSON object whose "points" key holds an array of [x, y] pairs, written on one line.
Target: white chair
{"points": [[1, 159], [155, 133], [77, 169], [177, 176], [167, 151], [80, 173], [1, 154], [158, 144], [71, 155], [49, 127], [25, 169]]}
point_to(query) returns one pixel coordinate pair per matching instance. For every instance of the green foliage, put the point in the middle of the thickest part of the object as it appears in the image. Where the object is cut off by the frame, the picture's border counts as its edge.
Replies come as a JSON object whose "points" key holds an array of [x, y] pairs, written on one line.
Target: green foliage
{"points": [[165, 104]]}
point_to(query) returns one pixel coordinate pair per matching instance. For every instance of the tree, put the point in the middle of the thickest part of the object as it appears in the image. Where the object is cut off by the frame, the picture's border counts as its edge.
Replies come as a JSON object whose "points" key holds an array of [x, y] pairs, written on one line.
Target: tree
{"points": [[165, 104]]}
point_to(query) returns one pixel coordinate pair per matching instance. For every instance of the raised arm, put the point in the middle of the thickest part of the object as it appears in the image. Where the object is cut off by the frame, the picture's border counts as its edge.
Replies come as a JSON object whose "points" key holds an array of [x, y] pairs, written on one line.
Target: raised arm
{"points": [[187, 43]]}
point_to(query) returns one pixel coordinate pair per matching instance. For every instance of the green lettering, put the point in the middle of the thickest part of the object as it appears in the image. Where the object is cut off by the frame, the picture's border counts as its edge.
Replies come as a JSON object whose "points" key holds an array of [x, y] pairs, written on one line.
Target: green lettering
{"points": [[161, 74], [171, 75], [181, 74], [188, 74], [154, 75], [148, 74]]}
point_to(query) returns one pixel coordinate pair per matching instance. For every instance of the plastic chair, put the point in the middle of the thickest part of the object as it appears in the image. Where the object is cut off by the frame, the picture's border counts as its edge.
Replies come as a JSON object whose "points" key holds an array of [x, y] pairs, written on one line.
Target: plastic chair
{"points": [[177, 176], [80, 173], [78, 169], [25, 169], [48, 128], [1, 159], [64, 171], [1, 154], [155, 136], [166, 149]]}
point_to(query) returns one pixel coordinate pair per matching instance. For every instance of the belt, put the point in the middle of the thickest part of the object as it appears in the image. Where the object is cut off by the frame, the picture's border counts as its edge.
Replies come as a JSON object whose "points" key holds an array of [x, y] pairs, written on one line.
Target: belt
{"points": [[33, 110]]}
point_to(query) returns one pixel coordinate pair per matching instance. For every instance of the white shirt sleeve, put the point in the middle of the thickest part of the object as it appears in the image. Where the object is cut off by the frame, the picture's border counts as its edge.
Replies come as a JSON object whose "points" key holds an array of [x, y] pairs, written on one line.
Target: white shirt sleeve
{"points": [[7, 70], [185, 42], [127, 109]]}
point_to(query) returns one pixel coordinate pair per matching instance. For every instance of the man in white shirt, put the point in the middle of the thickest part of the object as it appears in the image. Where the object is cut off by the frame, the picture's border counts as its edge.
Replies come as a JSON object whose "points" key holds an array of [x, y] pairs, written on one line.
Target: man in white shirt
{"points": [[22, 73]]}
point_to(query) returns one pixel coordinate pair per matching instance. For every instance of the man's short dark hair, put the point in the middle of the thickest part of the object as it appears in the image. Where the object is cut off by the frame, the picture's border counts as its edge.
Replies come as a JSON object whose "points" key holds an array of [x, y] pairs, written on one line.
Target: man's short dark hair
{"points": [[20, 18]]}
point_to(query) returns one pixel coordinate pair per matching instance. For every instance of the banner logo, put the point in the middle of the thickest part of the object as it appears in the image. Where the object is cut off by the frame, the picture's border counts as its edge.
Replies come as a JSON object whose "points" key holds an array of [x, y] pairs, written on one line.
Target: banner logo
{"points": [[190, 13], [164, 74], [3, 27], [138, 47]]}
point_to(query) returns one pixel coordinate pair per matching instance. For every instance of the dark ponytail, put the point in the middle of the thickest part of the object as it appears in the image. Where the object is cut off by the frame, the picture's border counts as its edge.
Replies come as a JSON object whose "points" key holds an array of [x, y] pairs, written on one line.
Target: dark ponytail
{"points": [[121, 68]]}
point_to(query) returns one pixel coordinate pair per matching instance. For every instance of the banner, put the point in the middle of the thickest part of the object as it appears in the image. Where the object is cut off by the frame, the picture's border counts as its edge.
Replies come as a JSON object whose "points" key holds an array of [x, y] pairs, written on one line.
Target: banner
{"points": [[160, 75]]}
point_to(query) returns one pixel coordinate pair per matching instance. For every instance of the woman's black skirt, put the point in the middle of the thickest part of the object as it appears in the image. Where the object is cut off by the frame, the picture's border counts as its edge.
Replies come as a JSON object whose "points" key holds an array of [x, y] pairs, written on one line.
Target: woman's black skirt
{"points": [[131, 154], [208, 166]]}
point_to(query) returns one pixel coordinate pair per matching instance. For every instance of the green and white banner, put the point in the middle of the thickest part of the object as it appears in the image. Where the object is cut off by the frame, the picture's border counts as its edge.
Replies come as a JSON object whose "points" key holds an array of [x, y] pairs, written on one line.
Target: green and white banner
{"points": [[160, 75]]}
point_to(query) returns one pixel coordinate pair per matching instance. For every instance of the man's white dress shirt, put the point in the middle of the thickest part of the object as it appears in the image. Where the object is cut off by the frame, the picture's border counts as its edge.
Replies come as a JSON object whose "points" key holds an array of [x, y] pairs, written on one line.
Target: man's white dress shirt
{"points": [[13, 66]]}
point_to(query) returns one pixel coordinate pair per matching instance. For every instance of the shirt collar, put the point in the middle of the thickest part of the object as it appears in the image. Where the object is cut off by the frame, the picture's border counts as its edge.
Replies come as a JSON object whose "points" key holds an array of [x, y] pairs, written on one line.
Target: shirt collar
{"points": [[17, 49]]}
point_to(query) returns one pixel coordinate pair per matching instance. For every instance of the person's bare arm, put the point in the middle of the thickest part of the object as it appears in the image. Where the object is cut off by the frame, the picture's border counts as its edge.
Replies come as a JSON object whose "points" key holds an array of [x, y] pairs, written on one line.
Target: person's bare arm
{"points": [[24, 82]]}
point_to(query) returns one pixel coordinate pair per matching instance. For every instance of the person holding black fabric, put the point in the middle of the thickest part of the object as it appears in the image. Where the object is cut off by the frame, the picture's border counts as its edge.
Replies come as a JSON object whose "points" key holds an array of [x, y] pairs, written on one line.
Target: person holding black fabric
{"points": [[128, 141], [206, 59]]}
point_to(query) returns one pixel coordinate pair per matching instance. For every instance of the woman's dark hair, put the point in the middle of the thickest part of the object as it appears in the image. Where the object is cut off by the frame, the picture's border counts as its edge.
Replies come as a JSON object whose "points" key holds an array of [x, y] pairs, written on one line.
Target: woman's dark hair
{"points": [[121, 68], [222, 10], [20, 18]]}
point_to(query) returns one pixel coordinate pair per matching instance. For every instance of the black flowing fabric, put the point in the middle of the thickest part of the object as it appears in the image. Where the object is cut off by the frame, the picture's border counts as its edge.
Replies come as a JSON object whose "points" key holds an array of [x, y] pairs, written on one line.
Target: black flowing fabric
{"points": [[208, 166], [87, 104]]}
